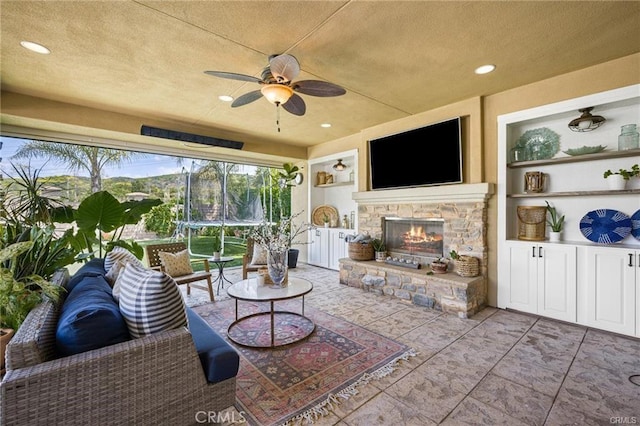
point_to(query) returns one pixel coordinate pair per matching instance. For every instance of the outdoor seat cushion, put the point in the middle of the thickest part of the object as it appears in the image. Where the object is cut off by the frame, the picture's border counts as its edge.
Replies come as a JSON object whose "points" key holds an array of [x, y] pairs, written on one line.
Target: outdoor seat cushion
{"points": [[89, 318], [219, 359]]}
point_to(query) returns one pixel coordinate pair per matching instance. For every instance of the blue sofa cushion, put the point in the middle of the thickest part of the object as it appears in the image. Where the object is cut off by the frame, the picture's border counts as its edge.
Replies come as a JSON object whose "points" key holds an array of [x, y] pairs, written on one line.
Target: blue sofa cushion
{"points": [[89, 318], [93, 268], [219, 359]]}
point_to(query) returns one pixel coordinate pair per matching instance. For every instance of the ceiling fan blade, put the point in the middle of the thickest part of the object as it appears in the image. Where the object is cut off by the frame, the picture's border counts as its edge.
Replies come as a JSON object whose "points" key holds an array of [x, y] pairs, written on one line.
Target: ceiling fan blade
{"points": [[295, 105], [284, 68], [318, 88], [233, 76], [247, 98]]}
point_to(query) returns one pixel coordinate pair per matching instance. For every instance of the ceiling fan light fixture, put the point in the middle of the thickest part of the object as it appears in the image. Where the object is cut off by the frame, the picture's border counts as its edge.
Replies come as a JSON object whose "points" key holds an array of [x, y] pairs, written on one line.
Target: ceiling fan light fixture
{"points": [[339, 166], [586, 122], [277, 94], [225, 98]]}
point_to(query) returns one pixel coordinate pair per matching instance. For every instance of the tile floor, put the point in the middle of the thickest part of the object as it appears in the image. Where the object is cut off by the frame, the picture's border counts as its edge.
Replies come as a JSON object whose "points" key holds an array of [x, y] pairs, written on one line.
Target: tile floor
{"points": [[498, 367]]}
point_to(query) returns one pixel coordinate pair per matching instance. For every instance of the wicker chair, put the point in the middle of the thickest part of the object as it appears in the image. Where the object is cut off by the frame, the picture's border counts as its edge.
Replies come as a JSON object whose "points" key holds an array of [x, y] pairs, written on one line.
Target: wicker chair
{"points": [[153, 258], [246, 260]]}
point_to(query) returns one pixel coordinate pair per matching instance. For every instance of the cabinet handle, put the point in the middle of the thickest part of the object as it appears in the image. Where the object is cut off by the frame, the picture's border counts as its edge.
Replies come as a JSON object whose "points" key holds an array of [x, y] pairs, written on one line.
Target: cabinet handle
{"points": [[539, 251], [533, 251], [341, 235], [317, 232], [630, 259]]}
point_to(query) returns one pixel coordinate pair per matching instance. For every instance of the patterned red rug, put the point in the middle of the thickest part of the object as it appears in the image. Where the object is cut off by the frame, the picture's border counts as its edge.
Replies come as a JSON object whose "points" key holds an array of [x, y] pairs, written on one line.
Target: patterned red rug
{"points": [[295, 382]]}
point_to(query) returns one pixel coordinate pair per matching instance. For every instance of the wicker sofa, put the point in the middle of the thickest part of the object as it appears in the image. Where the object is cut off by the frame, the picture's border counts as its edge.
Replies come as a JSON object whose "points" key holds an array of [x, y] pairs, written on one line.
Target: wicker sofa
{"points": [[156, 379]]}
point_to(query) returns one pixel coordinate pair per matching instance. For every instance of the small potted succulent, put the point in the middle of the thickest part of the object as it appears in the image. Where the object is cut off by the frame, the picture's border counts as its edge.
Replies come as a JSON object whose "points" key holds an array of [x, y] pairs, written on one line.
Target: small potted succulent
{"points": [[439, 266], [380, 249], [556, 222]]}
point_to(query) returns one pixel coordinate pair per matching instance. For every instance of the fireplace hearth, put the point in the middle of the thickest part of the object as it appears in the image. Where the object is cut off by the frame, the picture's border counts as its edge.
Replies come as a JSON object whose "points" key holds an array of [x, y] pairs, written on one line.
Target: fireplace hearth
{"points": [[414, 237]]}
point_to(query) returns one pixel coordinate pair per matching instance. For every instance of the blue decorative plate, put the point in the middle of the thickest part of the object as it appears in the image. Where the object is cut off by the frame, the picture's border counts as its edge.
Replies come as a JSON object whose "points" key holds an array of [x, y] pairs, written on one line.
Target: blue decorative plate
{"points": [[605, 226], [635, 225]]}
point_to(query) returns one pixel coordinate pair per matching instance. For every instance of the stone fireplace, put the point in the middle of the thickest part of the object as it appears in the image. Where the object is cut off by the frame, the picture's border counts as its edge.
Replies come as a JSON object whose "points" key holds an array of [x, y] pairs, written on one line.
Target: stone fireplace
{"points": [[418, 238], [461, 210]]}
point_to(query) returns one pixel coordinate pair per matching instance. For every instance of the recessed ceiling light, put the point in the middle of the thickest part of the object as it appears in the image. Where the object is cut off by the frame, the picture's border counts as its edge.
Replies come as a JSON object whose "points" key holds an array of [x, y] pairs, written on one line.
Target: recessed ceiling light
{"points": [[485, 69], [225, 98], [35, 47], [325, 125]]}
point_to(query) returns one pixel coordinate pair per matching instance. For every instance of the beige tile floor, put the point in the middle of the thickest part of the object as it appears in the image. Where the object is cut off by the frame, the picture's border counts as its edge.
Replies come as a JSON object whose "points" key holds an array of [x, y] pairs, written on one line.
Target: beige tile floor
{"points": [[498, 367]]}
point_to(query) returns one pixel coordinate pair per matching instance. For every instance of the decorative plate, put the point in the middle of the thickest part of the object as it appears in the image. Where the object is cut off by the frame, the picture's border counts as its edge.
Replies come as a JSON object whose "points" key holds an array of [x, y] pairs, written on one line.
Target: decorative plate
{"points": [[540, 144], [605, 226], [635, 225], [585, 150], [317, 217]]}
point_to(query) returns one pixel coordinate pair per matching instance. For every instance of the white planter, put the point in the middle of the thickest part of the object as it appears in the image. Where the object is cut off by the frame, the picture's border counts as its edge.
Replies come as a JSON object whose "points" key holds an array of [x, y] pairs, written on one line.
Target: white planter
{"points": [[555, 237], [616, 182]]}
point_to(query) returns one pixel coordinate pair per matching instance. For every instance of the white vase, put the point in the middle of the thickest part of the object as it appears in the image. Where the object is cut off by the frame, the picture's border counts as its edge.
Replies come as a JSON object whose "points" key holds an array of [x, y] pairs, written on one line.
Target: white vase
{"points": [[616, 182], [555, 237]]}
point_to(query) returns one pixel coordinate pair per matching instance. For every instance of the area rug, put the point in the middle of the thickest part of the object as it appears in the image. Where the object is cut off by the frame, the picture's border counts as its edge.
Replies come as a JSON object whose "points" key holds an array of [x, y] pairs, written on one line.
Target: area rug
{"points": [[299, 382]]}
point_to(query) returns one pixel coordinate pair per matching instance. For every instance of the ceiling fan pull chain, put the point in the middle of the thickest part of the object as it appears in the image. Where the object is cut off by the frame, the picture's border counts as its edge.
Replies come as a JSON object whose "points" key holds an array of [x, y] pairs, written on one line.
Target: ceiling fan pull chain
{"points": [[278, 116]]}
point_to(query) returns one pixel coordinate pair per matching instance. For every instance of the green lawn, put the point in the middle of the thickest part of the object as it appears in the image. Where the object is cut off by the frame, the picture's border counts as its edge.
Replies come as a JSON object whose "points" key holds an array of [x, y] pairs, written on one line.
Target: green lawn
{"points": [[201, 247]]}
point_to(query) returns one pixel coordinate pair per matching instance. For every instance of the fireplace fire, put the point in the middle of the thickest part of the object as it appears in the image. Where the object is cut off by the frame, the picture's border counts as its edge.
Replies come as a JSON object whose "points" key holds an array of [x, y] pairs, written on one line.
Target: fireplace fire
{"points": [[414, 237]]}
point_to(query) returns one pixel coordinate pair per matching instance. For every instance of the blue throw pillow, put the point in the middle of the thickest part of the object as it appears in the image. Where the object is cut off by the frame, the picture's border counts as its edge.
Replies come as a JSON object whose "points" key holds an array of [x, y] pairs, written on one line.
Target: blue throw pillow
{"points": [[93, 268], [89, 318]]}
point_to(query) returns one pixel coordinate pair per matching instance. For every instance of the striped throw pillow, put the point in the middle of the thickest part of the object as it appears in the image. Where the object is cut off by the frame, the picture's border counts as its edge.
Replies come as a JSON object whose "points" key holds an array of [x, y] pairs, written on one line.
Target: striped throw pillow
{"points": [[150, 301], [120, 254]]}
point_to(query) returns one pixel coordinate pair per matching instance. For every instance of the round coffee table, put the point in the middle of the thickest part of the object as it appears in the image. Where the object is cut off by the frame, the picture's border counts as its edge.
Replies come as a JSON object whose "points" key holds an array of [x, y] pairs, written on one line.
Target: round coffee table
{"points": [[249, 290]]}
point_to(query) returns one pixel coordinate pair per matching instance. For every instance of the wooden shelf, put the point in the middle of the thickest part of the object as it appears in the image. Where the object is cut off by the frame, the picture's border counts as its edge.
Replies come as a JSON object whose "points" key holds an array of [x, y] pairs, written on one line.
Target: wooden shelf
{"points": [[327, 185], [577, 158], [575, 193]]}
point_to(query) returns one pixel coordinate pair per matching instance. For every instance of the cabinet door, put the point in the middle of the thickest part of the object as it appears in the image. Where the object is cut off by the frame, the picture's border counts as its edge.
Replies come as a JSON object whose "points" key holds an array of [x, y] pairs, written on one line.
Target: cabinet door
{"points": [[611, 289], [337, 248], [522, 276], [557, 282], [318, 253]]}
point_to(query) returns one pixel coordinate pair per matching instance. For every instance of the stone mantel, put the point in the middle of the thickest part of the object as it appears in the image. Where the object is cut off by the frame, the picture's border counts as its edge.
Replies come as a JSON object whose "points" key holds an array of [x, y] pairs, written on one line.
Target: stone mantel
{"points": [[472, 192]]}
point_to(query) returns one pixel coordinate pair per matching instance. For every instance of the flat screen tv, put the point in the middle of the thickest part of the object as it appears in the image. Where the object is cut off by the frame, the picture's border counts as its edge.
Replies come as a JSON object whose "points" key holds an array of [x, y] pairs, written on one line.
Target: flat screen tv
{"points": [[429, 155]]}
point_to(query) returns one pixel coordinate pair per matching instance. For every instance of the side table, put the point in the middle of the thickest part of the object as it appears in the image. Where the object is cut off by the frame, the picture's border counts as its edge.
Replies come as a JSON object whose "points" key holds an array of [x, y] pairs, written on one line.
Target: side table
{"points": [[221, 263]]}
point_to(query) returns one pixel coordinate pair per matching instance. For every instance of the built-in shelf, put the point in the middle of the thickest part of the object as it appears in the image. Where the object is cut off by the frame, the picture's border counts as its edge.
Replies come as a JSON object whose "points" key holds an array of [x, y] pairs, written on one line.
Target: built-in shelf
{"points": [[574, 193], [577, 158], [327, 185]]}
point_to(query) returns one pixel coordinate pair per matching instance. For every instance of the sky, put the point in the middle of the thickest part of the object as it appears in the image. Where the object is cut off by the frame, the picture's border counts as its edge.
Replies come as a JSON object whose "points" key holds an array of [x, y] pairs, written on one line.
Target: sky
{"points": [[151, 165]]}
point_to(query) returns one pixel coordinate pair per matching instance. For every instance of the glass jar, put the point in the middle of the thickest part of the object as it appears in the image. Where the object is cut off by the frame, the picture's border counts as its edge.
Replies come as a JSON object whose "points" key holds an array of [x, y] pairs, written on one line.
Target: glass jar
{"points": [[629, 138]]}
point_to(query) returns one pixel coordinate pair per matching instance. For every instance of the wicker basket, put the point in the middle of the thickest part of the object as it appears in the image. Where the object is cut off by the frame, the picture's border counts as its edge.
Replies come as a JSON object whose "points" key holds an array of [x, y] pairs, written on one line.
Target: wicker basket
{"points": [[467, 266], [532, 222], [359, 251]]}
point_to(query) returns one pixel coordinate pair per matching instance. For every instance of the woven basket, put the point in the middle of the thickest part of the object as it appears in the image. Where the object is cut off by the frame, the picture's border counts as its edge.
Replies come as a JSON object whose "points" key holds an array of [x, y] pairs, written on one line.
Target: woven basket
{"points": [[359, 251], [531, 222], [467, 266]]}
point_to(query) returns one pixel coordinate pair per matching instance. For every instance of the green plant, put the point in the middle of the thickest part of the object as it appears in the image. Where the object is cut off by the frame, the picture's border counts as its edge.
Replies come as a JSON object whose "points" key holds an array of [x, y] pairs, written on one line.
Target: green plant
{"points": [[161, 220], [378, 245], [454, 255], [217, 238], [626, 174], [20, 293], [288, 175], [555, 221]]}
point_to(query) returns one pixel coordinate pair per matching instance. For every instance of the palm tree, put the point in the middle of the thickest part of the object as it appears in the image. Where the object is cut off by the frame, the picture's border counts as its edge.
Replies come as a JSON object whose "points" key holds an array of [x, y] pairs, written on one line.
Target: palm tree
{"points": [[78, 157]]}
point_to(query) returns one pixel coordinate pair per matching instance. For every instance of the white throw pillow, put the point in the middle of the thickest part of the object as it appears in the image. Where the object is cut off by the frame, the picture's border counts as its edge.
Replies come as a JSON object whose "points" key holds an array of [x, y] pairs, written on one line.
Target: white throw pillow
{"points": [[150, 301], [176, 264], [259, 256], [120, 254]]}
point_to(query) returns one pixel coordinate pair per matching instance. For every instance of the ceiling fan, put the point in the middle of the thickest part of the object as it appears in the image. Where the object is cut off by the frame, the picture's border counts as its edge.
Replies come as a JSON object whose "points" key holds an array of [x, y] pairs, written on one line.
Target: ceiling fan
{"points": [[278, 85]]}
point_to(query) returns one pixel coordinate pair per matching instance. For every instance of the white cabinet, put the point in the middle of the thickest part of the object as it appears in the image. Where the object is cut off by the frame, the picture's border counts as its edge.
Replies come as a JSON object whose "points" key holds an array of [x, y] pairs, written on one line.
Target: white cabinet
{"points": [[337, 247], [575, 280], [613, 289], [327, 246], [542, 279], [318, 253]]}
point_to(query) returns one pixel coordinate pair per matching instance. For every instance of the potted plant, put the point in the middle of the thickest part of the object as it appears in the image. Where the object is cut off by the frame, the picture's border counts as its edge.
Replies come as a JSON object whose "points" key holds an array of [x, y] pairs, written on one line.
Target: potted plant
{"points": [[618, 180], [556, 222], [325, 220], [19, 293], [439, 266], [218, 233], [380, 249]]}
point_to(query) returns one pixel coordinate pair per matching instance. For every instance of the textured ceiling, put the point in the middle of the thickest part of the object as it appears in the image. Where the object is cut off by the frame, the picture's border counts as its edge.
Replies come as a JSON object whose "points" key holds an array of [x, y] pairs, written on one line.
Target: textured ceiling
{"points": [[147, 58]]}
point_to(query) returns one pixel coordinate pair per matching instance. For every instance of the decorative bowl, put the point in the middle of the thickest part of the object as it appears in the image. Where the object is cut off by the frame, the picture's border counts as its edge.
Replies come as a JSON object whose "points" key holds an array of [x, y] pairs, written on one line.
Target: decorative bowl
{"points": [[584, 150], [439, 268]]}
